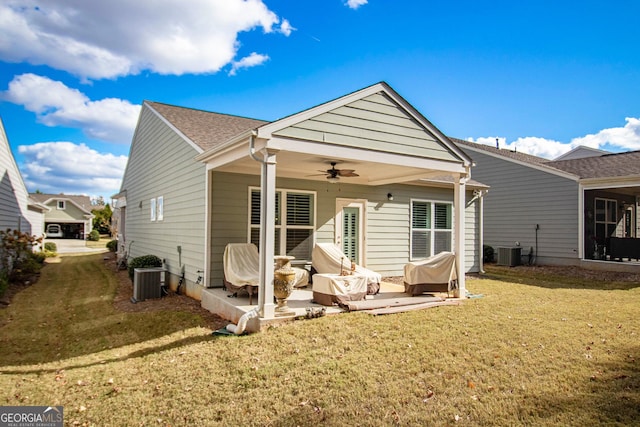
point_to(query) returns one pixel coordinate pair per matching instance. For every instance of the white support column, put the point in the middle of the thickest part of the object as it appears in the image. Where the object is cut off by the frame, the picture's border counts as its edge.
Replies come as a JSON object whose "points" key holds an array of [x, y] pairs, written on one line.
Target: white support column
{"points": [[459, 204], [267, 233]]}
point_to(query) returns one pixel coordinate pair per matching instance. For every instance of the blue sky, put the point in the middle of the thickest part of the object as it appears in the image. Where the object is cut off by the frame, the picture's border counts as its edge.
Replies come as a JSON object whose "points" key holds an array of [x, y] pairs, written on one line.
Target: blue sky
{"points": [[542, 76]]}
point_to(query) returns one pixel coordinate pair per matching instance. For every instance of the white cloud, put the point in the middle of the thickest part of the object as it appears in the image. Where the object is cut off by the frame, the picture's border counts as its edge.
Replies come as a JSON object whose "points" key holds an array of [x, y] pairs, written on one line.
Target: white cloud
{"points": [[354, 4], [55, 167], [55, 104], [617, 139], [248, 61], [107, 39], [627, 137]]}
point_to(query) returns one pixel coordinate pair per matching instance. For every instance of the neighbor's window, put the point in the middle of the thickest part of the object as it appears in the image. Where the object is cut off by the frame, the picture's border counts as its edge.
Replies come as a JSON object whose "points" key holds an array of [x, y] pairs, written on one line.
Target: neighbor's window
{"points": [[431, 231], [160, 208], [152, 207], [294, 222], [60, 204], [606, 219]]}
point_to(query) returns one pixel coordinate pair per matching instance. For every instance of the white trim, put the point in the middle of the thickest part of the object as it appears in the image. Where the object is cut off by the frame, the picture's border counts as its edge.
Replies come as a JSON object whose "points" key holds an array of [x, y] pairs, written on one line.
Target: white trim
{"points": [[361, 205], [173, 128], [152, 209], [160, 208], [432, 221], [540, 167], [581, 214], [283, 226]]}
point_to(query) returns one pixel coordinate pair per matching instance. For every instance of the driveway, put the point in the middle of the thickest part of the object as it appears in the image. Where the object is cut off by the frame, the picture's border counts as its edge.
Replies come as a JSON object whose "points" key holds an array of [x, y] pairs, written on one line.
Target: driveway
{"points": [[74, 246]]}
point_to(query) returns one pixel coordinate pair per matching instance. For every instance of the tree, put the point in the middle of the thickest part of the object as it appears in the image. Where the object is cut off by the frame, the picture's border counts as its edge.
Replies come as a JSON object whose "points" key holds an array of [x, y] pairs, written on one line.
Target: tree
{"points": [[102, 219]]}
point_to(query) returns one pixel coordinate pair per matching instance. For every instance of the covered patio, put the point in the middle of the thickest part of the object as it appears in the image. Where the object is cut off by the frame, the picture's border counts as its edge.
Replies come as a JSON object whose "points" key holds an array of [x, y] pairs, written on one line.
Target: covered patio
{"points": [[386, 147], [391, 296]]}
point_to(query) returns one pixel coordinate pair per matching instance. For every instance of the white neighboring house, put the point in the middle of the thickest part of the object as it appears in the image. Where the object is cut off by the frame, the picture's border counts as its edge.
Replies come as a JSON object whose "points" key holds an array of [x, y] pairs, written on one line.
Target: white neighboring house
{"points": [[17, 210]]}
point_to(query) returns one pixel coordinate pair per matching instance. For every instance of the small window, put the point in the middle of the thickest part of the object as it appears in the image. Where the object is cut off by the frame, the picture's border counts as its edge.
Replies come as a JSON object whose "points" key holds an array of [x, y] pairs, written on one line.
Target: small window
{"points": [[61, 204], [160, 208], [152, 204]]}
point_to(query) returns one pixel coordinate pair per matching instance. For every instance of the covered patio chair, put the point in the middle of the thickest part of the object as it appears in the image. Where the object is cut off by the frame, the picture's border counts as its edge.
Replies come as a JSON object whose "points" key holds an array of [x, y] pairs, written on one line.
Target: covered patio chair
{"points": [[241, 264], [434, 274], [328, 258]]}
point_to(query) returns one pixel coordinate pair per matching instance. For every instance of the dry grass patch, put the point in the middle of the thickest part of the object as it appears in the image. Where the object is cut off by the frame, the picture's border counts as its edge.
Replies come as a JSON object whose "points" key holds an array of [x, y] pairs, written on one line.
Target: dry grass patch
{"points": [[524, 354]]}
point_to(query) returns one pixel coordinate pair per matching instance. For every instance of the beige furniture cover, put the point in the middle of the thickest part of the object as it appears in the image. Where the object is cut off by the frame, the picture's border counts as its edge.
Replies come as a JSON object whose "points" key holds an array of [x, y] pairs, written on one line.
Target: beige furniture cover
{"points": [[241, 263], [434, 274], [333, 288], [328, 258]]}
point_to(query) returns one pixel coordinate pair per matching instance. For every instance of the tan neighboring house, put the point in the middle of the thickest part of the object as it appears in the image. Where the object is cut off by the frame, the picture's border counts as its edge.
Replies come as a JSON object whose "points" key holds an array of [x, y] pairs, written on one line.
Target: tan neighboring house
{"points": [[366, 171], [67, 217], [17, 210]]}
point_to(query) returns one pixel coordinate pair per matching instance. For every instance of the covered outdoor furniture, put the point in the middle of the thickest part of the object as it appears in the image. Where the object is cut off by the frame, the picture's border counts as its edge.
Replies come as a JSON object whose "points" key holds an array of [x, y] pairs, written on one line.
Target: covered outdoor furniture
{"points": [[328, 258], [241, 264], [334, 288], [434, 274]]}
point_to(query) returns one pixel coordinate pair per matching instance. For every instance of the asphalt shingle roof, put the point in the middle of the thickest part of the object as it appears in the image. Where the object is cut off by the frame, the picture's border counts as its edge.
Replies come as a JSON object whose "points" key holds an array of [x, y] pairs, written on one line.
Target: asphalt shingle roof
{"points": [[83, 201], [605, 166], [610, 165], [204, 128]]}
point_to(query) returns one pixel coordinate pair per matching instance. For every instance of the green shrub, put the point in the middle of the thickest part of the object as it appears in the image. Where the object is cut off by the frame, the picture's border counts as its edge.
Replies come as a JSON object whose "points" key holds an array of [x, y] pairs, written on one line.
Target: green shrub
{"points": [[112, 245], [143, 261], [39, 257], [488, 254], [94, 236], [50, 254], [50, 247]]}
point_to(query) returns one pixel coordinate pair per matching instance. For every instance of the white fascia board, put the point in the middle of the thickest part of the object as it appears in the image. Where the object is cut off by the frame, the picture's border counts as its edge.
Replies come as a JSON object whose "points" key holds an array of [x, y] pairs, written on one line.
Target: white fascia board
{"points": [[173, 128], [358, 154], [612, 182], [542, 168], [266, 131]]}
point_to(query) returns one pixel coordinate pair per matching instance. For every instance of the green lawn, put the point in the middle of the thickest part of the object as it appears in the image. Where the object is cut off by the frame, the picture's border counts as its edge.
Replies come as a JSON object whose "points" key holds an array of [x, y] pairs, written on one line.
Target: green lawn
{"points": [[536, 349]]}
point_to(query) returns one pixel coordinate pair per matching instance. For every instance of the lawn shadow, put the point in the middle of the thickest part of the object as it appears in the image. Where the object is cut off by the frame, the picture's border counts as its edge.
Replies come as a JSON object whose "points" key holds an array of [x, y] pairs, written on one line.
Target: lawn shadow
{"points": [[562, 277], [612, 392], [83, 320], [183, 342]]}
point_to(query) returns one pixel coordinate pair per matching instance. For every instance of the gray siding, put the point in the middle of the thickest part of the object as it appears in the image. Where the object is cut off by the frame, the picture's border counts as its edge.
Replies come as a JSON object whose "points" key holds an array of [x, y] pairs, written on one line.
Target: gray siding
{"points": [[162, 164], [13, 193], [375, 123], [387, 233], [70, 213], [521, 197]]}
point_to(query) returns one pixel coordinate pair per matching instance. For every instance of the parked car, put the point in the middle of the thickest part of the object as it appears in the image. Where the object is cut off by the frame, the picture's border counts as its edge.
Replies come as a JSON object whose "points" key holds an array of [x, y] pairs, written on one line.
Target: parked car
{"points": [[53, 231]]}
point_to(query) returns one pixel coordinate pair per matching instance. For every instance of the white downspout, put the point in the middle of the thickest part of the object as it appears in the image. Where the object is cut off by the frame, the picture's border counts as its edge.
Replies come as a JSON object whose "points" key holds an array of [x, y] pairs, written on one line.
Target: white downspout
{"points": [[242, 322]]}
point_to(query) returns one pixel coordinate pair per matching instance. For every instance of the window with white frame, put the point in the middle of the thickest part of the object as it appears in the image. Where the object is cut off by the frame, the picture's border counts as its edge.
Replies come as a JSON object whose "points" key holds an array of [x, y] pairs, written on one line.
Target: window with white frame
{"points": [[294, 222], [152, 209], [160, 208], [61, 205], [431, 230], [606, 219]]}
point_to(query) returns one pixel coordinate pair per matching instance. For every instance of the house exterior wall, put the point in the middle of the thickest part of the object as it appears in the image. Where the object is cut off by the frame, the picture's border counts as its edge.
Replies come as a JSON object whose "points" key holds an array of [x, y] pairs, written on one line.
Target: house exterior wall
{"points": [[387, 222], [521, 197], [374, 122], [70, 213], [13, 193], [161, 164]]}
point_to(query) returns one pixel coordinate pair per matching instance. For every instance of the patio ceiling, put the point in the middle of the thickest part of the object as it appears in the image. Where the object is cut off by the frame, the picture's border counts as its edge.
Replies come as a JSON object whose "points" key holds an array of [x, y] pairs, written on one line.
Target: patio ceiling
{"points": [[310, 167]]}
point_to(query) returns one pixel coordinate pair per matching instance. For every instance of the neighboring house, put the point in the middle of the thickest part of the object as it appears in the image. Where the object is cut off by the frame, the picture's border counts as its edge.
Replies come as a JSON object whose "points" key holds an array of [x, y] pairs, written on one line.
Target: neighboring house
{"points": [[196, 181], [566, 211], [17, 210], [67, 217]]}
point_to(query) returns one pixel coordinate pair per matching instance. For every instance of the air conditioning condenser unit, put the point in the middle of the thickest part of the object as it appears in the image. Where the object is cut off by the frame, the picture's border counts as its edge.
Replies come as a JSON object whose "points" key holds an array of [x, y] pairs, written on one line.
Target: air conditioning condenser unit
{"points": [[509, 256], [147, 283]]}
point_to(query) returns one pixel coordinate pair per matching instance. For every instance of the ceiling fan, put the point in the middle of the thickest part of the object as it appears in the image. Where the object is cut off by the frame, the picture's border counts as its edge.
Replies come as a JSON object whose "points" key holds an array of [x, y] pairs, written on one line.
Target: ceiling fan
{"points": [[333, 174]]}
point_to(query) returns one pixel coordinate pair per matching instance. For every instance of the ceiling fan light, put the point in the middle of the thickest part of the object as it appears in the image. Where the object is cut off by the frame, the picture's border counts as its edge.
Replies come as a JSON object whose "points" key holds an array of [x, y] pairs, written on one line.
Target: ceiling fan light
{"points": [[333, 179]]}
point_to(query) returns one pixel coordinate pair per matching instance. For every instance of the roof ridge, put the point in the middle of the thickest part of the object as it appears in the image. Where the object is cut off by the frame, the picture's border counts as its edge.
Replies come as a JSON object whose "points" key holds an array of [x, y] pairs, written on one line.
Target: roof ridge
{"points": [[202, 110]]}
